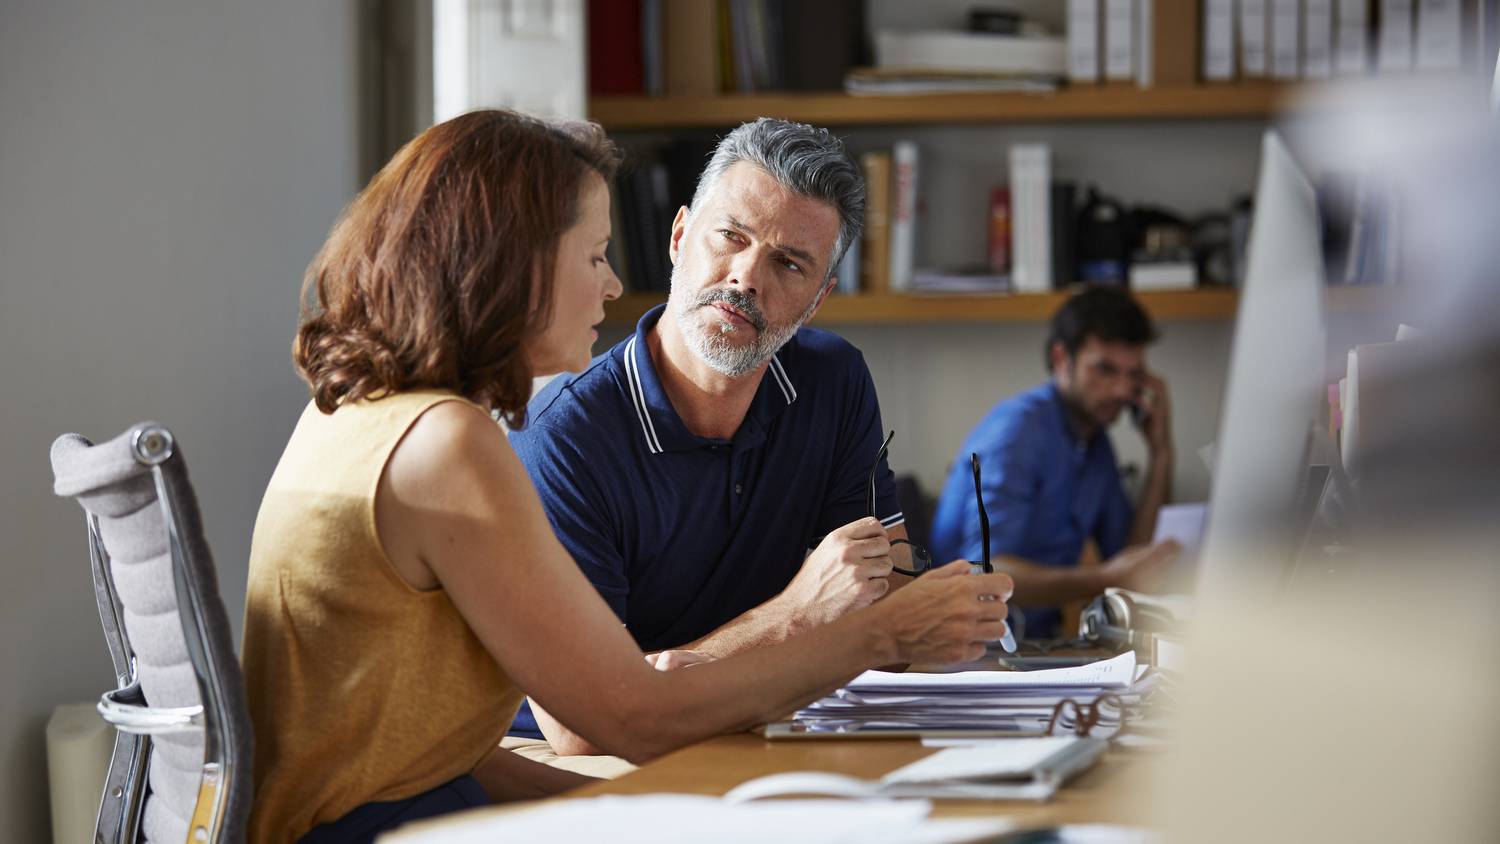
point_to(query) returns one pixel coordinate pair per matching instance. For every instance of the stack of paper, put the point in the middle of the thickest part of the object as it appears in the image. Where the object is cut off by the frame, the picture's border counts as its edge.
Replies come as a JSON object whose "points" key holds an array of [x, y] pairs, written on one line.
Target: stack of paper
{"points": [[1019, 702]]}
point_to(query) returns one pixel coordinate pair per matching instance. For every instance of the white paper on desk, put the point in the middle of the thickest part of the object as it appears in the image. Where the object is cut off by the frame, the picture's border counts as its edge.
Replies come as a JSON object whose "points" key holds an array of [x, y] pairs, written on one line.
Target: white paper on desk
{"points": [[1009, 759], [824, 784], [1112, 673], [693, 818], [1184, 523]]}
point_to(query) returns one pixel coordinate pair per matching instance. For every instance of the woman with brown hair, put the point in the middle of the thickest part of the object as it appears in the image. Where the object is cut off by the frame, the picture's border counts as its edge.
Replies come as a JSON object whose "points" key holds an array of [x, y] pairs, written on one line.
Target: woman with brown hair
{"points": [[402, 571]]}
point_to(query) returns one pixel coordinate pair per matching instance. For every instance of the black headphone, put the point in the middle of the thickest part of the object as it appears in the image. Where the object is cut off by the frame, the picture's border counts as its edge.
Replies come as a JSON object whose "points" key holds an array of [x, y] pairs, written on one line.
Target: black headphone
{"points": [[1111, 619]]}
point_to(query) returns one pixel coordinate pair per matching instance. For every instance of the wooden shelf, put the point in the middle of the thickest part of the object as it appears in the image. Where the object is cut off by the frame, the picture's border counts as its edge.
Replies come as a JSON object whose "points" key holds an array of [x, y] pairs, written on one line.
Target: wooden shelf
{"points": [[898, 309], [895, 309], [1094, 102]]}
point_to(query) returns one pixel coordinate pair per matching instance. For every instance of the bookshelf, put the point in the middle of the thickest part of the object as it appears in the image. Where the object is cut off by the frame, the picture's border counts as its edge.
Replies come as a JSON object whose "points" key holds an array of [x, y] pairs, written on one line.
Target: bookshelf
{"points": [[1079, 103], [905, 309]]}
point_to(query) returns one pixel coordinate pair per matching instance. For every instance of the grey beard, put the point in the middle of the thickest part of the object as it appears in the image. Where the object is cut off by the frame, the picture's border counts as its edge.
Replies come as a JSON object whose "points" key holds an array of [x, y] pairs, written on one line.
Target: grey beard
{"points": [[712, 346]]}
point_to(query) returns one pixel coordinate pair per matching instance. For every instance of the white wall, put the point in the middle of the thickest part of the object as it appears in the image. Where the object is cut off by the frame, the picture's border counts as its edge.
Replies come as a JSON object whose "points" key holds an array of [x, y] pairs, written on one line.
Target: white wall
{"points": [[167, 170]]}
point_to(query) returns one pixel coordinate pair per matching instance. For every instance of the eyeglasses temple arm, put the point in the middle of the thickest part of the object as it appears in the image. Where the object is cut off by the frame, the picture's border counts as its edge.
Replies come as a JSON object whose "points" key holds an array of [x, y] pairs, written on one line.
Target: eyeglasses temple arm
{"points": [[984, 518], [870, 496]]}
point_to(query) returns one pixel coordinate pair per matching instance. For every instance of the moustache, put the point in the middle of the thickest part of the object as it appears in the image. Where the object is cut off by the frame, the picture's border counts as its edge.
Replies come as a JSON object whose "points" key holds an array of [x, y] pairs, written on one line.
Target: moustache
{"points": [[739, 301]]}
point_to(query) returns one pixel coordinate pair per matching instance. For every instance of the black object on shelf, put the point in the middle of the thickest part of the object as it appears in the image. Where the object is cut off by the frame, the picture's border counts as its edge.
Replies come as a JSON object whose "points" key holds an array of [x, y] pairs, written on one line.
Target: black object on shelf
{"points": [[1064, 234], [1103, 240]]}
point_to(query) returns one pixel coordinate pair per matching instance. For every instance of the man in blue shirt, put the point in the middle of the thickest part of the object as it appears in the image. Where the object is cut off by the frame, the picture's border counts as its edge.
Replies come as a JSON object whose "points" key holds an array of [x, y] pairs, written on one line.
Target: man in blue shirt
{"points": [[1050, 482], [709, 474]]}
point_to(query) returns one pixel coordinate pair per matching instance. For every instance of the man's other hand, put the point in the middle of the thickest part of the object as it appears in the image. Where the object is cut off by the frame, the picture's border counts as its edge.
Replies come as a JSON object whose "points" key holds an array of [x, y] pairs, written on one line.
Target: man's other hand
{"points": [[1142, 568], [1155, 419], [849, 569]]}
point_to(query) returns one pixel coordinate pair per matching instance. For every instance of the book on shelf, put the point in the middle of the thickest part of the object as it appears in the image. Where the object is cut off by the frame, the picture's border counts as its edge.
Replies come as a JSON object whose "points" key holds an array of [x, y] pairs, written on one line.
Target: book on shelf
{"points": [[1397, 38], [875, 249], [690, 36], [710, 47], [847, 272], [1218, 53], [1083, 42], [945, 50], [648, 192], [614, 48], [904, 173], [823, 39], [1317, 39], [1163, 28], [1119, 40], [1286, 39], [1030, 188], [648, 218], [999, 231], [1253, 38], [1352, 38], [653, 76]]}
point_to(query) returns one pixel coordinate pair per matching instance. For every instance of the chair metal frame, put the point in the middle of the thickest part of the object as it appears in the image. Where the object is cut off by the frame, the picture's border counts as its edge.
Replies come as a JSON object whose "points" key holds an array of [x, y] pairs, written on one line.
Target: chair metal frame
{"points": [[125, 787]]}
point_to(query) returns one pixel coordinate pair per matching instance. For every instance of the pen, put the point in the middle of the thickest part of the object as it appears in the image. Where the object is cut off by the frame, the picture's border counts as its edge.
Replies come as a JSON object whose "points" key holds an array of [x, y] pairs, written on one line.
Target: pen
{"points": [[1008, 641]]}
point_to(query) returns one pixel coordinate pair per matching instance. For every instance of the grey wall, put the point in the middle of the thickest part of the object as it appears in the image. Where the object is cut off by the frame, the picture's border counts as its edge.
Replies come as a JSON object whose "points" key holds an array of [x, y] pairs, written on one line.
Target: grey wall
{"points": [[167, 169]]}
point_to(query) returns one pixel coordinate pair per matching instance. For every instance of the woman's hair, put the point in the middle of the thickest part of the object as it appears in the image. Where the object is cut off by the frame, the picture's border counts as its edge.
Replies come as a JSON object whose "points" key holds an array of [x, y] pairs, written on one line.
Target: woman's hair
{"points": [[440, 271]]}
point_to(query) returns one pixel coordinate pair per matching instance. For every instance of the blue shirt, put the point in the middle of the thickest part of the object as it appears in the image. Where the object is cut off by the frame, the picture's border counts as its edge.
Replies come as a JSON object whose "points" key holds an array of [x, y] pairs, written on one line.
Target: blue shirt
{"points": [[1046, 492], [680, 533]]}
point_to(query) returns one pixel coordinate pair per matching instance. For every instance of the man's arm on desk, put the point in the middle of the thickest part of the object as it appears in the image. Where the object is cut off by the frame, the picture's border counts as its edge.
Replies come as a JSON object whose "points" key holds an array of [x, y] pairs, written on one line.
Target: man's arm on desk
{"points": [[1037, 585], [850, 568]]}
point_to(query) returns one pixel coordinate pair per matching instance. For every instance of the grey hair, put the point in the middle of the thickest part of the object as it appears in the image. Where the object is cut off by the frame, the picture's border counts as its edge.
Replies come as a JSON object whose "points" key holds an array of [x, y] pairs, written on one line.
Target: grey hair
{"points": [[808, 161]]}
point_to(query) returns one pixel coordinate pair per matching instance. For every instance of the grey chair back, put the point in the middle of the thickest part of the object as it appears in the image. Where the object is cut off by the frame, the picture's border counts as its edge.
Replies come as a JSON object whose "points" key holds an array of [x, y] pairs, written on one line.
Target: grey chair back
{"points": [[181, 770]]}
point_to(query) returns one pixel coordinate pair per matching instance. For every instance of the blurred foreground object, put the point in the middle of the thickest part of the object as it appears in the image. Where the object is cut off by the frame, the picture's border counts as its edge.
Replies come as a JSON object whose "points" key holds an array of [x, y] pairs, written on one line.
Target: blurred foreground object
{"points": [[1362, 707]]}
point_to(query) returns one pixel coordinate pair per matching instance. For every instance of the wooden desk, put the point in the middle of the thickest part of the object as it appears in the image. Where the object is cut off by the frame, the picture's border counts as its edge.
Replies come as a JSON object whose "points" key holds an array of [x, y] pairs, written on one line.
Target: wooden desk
{"points": [[1111, 792]]}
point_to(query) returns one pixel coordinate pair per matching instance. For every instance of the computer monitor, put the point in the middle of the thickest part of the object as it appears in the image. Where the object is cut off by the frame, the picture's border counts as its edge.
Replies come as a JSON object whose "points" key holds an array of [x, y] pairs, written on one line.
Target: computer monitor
{"points": [[1273, 391]]}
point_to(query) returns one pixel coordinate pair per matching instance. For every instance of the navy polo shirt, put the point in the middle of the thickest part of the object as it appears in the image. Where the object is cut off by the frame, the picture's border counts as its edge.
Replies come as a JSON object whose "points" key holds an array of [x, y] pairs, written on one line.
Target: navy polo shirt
{"points": [[680, 533], [1045, 490]]}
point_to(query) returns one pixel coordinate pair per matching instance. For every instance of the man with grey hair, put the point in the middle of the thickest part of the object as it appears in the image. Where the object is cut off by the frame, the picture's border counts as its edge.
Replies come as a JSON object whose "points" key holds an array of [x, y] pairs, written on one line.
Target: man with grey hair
{"points": [[709, 474]]}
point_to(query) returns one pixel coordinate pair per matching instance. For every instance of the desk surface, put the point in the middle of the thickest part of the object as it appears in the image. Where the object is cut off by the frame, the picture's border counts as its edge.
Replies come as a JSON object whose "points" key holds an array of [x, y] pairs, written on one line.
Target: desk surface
{"points": [[1110, 792]]}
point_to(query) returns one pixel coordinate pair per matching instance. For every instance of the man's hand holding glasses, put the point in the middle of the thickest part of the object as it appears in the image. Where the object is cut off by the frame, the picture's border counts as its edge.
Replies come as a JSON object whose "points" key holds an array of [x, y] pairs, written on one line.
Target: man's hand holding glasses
{"points": [[849, 569]]}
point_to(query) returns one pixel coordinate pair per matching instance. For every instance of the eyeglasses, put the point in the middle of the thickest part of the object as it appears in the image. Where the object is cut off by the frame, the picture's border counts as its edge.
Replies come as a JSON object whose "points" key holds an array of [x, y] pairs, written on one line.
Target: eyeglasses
{"points": [[1090, 718], [921, 558]]}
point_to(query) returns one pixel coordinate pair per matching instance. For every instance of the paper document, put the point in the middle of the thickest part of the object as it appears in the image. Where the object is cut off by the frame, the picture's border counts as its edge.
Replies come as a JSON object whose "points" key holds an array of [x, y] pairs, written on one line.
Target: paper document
{"points": [[656, 818], [1184, 523], [970, 703], [1117, 672], [1004, 759]]}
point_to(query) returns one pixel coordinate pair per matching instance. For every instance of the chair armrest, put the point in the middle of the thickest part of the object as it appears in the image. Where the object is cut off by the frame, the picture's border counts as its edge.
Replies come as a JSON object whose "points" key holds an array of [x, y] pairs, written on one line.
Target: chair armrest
{"points": [[122, 709]]}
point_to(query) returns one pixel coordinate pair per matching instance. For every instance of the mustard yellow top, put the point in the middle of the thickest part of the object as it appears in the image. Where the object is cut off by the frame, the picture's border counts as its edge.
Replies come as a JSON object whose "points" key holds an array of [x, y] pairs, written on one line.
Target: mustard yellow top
{"points": [[361, 688]]}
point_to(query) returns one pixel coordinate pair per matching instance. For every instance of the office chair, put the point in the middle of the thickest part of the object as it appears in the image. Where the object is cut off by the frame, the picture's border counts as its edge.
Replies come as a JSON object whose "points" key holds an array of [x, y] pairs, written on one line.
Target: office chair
{"points": [[181, 770]]}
